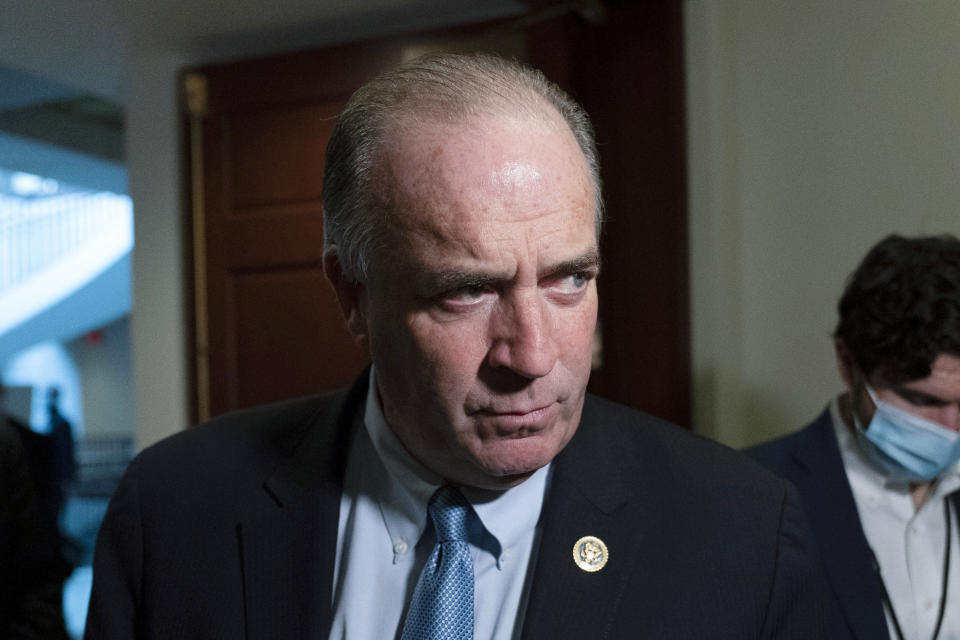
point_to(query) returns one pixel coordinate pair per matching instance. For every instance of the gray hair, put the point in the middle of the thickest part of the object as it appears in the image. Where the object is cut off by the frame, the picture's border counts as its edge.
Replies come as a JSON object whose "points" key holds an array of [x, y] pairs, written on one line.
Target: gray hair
{"points": [[439, 87]]}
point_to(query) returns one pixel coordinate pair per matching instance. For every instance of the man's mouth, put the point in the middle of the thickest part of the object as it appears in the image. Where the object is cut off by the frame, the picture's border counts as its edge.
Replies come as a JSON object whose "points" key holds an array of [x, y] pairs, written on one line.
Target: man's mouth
{"points": [[516, 422]]}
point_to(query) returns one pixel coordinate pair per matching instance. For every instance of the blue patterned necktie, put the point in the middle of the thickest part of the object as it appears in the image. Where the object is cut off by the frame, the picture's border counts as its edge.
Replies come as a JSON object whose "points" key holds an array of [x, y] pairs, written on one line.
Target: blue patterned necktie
{"points": [[442, 604]]}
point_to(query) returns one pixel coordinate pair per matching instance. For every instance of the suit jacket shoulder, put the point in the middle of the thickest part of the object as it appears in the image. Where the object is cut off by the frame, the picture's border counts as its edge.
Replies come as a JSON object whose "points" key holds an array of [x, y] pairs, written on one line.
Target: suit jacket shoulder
{"points": [[227, 446], [699, 538], [228, 529], [706, 464], [810, 459]]}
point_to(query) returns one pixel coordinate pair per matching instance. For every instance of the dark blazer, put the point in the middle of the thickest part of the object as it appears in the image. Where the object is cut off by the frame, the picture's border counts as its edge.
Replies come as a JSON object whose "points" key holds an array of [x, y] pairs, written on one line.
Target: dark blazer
{"points": [[32, 570], [229, 531], [810, 459]]}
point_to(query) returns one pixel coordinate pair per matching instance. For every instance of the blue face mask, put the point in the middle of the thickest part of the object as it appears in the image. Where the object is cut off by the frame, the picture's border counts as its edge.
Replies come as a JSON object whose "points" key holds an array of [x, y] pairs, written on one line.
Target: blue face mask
{"points": [[905, 447]]}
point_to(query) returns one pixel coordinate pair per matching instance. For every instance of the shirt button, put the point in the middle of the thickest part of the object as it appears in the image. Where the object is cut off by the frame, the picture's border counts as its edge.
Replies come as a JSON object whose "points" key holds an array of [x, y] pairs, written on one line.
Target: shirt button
{"points": [[400, 546], [928, 605]]}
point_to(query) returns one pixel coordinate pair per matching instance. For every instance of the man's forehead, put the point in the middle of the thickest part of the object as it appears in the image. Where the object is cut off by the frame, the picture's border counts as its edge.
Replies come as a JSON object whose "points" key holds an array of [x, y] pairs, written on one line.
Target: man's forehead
{"points": [[942, 382], [486, 153], [479, 130], [478, 191]]}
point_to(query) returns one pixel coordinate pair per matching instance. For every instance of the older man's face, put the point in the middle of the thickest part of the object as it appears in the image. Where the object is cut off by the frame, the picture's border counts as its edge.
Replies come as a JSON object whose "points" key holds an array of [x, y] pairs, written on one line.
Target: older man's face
{"points": [[481, 310]]}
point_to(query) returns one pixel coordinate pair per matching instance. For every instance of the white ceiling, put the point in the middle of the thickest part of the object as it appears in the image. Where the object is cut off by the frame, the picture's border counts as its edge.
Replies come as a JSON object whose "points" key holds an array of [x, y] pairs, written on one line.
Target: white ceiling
{"points": [[85, 45]]}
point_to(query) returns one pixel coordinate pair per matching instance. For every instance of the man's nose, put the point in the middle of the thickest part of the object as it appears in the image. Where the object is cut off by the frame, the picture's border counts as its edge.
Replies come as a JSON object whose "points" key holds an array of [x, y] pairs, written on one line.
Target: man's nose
{"points": [[521, 335]]}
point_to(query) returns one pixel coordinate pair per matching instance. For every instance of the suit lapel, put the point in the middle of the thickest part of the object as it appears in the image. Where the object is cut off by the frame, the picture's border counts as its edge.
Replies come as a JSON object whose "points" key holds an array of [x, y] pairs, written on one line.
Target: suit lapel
{"points": [[832, 515], [288, 567], [289, 548], [586, 490]]}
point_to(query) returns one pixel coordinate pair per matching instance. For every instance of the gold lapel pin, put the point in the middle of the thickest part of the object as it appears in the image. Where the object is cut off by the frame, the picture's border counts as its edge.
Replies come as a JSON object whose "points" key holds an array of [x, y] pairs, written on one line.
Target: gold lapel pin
{"points": [[590, 553]]}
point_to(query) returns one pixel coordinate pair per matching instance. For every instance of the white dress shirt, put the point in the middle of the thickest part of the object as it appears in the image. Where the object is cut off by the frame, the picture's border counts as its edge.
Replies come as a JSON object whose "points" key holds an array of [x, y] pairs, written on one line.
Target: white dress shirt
{"points": [[909, 544], [383, 539]]}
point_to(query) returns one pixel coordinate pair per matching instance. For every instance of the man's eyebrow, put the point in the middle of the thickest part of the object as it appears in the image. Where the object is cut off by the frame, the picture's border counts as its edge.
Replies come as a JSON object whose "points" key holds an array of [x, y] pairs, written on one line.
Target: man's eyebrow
{"points": [[448, 279], [918, 397], [587, 262], [454, 278]]}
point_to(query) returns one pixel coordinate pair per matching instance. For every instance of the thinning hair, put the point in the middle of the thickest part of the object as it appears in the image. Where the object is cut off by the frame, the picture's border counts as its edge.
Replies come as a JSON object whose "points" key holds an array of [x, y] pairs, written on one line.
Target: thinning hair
{"points": [[901, 308], [450, 88]]}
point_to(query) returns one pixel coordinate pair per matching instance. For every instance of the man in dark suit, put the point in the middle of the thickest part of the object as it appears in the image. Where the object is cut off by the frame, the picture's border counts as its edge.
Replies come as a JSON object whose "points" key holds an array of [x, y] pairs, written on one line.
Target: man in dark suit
{"points": [[465, 486], [877, 470], [32, 569]]}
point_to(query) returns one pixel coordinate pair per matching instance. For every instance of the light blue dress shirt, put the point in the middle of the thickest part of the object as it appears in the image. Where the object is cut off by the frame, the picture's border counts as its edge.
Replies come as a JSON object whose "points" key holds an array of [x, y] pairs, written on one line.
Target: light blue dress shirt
{"points": [[383, 540]]}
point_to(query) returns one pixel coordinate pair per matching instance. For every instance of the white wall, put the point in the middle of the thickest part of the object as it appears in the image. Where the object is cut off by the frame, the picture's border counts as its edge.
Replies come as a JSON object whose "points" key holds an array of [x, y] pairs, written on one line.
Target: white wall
{"points": [[159, 332], [815, 129], [105, 369]]}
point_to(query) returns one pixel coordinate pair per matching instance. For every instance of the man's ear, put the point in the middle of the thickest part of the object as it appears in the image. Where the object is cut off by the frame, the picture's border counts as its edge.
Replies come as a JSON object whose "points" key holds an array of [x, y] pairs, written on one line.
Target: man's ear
{"points": [[845, 362], [350, 295]]}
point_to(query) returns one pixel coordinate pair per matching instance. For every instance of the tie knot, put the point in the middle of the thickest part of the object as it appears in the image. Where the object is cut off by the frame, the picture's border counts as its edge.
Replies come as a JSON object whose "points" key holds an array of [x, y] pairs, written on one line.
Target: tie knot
{"points": [[448, 509]]}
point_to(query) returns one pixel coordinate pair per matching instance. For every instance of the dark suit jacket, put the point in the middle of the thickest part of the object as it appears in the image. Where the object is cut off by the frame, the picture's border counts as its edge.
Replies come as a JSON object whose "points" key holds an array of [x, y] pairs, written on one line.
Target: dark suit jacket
{"points": [[229, 531], [32, 570], [810, 459]]}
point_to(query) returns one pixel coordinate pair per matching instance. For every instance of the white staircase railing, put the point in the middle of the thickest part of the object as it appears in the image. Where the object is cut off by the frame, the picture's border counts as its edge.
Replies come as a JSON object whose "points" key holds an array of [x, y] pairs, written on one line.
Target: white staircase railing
{"points": [[36, 233], [51, 246]]}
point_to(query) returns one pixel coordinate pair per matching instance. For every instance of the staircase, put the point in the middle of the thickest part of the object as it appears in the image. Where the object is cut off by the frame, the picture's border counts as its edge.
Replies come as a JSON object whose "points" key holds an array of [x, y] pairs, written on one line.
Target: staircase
{"points": [[55, 248]]}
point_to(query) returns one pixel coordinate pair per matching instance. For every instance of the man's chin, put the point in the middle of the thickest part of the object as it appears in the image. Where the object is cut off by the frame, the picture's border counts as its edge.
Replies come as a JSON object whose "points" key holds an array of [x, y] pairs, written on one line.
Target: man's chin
{"points": [[503, 474], [498, 482], [502, 463], [492, 474]]}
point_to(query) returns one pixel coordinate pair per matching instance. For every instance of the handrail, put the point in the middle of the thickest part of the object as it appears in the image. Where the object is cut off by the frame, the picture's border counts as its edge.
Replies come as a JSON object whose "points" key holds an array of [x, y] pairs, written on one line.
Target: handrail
{"points": [[37, 232]]}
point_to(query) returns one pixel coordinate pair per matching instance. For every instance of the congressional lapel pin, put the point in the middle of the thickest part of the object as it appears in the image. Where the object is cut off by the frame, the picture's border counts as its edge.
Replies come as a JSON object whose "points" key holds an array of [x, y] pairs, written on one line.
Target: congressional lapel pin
{"points": [[590, 553]]}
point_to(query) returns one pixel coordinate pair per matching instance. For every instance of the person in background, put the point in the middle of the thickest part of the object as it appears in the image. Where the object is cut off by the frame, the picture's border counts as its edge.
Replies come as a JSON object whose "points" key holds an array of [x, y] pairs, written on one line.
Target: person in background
{"points": [[32, 570], [63, 465], [466, 486], [878, 470]]}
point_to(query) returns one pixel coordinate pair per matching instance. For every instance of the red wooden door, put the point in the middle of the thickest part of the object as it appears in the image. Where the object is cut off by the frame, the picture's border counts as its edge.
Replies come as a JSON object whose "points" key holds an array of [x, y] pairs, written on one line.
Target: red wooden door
{"points": [[267, 322]]}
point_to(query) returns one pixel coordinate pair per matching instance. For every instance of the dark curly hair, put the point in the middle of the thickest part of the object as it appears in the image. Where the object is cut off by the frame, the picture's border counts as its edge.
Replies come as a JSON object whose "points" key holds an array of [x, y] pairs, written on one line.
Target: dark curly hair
{"points": [[901, 307]]}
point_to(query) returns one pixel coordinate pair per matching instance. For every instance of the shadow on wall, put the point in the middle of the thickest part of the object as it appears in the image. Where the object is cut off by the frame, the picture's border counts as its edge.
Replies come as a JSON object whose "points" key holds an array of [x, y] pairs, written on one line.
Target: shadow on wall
{"points": [[741, 415]]}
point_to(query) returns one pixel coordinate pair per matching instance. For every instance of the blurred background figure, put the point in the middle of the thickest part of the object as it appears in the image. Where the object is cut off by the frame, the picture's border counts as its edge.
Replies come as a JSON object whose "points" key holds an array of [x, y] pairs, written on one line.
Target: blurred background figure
{"points": [[32, 568], [63, 467]]}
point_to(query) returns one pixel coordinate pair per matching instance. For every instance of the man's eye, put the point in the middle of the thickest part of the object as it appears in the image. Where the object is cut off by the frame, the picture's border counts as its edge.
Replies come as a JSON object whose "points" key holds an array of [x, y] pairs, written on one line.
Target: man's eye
{"points": [[919, 399], [575, 281], [467, 293], [925, 401]]}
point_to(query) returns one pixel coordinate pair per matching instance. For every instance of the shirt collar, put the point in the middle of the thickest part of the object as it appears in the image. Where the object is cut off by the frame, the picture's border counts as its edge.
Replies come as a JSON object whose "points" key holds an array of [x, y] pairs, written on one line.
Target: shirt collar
{"points": [[854, 459], [407, 486]]}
